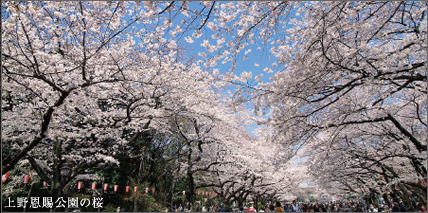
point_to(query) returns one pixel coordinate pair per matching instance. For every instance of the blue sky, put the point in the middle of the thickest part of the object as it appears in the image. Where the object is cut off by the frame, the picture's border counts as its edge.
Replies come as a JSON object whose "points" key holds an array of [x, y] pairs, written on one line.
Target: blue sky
{"points": [[262, 57], [255, 56]]}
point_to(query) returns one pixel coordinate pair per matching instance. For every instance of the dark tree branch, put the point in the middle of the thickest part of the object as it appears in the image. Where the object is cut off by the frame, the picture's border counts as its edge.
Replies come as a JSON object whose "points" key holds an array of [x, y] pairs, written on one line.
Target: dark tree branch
{"points": [[208, 16], [418, 144], [166, 8]]}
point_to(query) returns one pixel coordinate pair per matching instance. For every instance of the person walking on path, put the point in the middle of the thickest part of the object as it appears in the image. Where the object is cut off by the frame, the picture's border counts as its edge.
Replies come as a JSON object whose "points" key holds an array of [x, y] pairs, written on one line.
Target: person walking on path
{"points": [[295, 207], [271, 208], [279, 207], [251, 209]]}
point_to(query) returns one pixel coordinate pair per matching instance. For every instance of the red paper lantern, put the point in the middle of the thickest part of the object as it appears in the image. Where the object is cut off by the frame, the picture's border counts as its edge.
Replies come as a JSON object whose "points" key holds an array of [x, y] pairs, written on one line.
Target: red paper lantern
{"points": [[127, 189], [94, 184], [4, 177], [26, 178], [105, 186], [115, 188], [79, 185]]}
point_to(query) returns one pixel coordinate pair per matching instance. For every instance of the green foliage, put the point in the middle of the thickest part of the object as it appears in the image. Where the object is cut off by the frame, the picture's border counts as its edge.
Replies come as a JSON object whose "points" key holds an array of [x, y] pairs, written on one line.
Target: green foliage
{"points": [[110, 208], [149, 203], [313, 199], [145, 202]]}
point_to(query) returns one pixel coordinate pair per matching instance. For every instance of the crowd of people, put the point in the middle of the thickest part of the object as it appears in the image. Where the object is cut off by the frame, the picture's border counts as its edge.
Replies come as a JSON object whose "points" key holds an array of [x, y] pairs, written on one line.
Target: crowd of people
{"points": [[339, 206], [333, 206]]}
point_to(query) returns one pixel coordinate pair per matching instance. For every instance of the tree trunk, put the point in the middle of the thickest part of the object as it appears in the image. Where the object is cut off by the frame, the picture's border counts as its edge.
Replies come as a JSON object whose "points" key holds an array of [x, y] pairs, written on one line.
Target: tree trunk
{"points": [[28, 196], [256, 203], [385, 198], [172, 193], [190, 177], [191, 188], [102, 192], [406, 198], [135, 203], [56, 187], [136, 184]]}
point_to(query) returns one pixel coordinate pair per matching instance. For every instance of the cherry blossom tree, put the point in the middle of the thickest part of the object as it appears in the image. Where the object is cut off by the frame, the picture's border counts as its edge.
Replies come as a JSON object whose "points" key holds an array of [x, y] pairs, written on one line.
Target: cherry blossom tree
{"points": [[87, 85], [355, 71], [247, 168], [353, 93], [85, 82], [51, 54]]}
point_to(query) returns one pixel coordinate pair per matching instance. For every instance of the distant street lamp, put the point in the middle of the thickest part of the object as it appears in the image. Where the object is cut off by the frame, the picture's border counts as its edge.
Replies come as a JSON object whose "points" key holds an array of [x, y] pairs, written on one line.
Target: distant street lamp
{"points": [[65, 170]]}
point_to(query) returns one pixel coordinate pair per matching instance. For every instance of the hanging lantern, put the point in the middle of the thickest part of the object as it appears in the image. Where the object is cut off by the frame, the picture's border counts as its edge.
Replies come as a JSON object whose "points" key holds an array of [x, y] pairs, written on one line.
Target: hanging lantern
{"points": [[26, 178], [127, 189], [79, 185], [45, 184], [115, 188], [94, 184], [153, 191], [105, 186], [147, 190], [184, 192], [135, 189], [4, 177]]}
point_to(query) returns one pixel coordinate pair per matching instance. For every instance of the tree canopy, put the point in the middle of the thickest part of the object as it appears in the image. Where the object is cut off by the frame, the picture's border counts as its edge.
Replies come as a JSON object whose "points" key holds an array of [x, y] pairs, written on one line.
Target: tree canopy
{"points": [[116, 89]]}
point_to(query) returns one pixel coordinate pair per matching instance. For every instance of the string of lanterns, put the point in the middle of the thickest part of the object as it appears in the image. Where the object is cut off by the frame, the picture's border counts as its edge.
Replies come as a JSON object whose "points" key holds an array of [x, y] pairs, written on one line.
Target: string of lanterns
{"points": [[26, 179]]}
